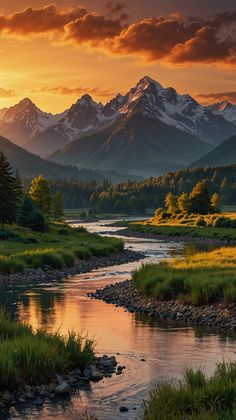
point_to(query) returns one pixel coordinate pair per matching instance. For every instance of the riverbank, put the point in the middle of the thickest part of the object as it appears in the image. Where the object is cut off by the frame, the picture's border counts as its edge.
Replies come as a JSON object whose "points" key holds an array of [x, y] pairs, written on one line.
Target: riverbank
{"points": [[47, 273], [174, 235], [37, 365], [123, 294]]}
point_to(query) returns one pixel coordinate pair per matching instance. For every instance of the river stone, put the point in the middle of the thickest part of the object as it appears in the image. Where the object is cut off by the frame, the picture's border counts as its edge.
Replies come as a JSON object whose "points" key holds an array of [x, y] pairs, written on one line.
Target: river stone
{"points": [[63, 388], [96, 375]]}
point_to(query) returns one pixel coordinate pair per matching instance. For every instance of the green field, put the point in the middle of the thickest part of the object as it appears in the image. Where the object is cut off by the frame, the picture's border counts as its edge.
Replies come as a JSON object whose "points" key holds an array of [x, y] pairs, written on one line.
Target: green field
{"points": [[199, 279], [20, 248]]}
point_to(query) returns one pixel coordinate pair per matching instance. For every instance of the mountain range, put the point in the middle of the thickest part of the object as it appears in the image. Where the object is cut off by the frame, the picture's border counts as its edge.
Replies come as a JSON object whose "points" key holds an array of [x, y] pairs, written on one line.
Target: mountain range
{"points": [[29, 165], [148, 131], [224, 154]]}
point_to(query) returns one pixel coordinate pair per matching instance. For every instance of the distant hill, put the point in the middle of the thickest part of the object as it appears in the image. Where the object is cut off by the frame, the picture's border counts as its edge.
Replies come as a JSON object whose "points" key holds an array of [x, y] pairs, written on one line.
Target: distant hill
{"points": [[224, 154], [30, 165]]}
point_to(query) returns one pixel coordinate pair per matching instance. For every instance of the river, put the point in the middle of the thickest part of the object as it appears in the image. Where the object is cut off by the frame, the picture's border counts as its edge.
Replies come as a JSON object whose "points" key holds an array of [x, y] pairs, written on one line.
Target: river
{"points": [[168, 348]]}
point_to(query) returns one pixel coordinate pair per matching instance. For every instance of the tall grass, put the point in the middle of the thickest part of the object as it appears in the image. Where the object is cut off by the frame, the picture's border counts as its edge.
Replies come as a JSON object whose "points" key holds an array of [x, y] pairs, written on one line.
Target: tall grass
{"points": [[196, 396], [54, 249], [200, 279], [36, 357], [175, 230]]}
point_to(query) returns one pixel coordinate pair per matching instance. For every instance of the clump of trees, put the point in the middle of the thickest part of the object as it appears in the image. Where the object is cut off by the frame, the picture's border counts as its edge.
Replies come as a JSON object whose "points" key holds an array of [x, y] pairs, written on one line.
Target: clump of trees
{"points": [[32, 209], [198, 201]]}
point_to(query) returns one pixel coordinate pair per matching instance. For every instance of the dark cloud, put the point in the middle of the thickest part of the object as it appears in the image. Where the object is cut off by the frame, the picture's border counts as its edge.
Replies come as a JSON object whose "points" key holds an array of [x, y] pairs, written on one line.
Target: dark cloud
{"points": [[92, 29], [38, 21], [171, 39]]}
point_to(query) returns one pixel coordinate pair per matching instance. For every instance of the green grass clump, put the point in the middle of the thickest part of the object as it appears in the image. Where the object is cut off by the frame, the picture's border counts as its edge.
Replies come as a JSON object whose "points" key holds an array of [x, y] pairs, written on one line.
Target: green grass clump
{"points": [[196, 396], [36, 357], [60, 246], [199, 279]]}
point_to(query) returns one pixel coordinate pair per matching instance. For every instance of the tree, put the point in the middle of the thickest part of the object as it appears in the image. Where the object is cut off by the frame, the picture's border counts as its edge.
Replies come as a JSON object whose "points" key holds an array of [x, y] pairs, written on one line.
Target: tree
{"points": [[184, 202], [171, 203], [58, 213], [200, 199], [40, 193], [30, 216], [10, 192], [216, 202]]}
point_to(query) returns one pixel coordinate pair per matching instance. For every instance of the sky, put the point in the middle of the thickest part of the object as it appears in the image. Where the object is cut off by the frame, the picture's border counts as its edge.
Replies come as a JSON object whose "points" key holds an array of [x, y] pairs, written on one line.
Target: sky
{"points": [[55, 51]]}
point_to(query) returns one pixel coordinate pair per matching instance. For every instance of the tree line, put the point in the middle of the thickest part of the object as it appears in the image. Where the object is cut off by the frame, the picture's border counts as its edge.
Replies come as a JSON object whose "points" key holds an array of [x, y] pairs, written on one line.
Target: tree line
{"points": [[32, 208]]}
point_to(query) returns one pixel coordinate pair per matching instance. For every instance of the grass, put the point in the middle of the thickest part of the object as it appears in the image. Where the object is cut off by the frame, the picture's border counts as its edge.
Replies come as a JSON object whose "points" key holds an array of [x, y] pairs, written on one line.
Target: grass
{"points": [[228, 234], [203, 278], [36, 357], [59, 247], [196, 397]]}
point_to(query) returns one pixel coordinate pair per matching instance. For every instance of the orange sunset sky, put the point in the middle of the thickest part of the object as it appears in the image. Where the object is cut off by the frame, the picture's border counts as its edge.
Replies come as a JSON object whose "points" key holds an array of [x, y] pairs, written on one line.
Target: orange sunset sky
{"points": [[54, 52]]}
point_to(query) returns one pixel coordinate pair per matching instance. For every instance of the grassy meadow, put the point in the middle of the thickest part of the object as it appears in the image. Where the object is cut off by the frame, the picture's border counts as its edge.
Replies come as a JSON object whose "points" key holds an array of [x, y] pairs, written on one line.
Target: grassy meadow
{"points": [[20, 248], [35, 357], [203, 278], [196, 397]]}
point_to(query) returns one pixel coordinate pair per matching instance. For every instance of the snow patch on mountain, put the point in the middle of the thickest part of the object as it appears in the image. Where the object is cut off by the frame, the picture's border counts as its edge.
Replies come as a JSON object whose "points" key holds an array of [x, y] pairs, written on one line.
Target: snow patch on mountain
{"points": [[226, 109]]}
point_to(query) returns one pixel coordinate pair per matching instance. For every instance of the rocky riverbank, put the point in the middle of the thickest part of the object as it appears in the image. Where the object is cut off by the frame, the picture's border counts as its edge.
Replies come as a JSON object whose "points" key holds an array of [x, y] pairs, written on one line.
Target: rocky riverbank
{"points": [[187, 239], [218, 315], [82, 266], [60, 385]]}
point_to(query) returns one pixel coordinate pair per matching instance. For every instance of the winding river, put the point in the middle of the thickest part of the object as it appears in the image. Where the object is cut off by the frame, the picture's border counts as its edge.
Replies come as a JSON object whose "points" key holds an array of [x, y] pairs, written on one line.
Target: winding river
{"points": [[152, 351]]}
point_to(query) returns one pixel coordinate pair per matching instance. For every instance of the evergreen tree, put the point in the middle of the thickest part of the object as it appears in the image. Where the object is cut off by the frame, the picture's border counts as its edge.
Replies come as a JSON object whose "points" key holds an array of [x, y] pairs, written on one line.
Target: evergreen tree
{"points": [[58, 213], [10, 192], [171, 202], [200, 199], [216, 203], [30, 216], [40, 193], [184, 202]]}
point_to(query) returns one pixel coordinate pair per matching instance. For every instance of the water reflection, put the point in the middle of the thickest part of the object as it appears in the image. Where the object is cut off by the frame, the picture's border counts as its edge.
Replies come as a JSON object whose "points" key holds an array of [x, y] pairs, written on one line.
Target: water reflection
{"points": [[167, 347]]}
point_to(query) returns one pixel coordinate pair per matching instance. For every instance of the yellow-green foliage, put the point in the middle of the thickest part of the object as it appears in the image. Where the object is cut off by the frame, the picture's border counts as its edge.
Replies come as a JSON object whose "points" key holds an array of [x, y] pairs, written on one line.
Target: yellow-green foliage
{"points": [[196, 397], [200, 279], [59, 247], [35, 357]]}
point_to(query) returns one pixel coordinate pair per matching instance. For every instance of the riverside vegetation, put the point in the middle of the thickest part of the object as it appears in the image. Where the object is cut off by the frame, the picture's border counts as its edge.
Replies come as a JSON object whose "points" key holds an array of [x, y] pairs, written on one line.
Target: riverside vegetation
{"points": [[61, 245], [200, 279], [196, 396]]}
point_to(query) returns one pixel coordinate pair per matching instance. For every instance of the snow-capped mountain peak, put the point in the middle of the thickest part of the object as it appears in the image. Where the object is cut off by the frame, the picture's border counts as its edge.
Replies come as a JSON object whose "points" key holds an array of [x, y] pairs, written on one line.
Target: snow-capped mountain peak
{"points": [[226, 109]]}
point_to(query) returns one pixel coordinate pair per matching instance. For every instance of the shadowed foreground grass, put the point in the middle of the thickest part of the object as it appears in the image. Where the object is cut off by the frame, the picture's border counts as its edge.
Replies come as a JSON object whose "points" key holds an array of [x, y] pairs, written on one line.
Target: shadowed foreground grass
{"points": [[196, 396], [199, 279], [21, 248], [28, 357]]}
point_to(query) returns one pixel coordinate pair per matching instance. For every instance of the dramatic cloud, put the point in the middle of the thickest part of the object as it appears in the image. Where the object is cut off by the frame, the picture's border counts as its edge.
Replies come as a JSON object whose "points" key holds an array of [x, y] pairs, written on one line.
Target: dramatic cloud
{"points": [[92, 29], [173, 39], [208, 98], [38, 21], [5, 93], [78, 91]]}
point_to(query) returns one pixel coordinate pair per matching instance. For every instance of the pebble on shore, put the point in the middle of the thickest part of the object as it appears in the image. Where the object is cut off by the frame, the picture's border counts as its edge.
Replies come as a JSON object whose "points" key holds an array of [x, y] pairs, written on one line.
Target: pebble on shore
{"points": [[219, 315]]}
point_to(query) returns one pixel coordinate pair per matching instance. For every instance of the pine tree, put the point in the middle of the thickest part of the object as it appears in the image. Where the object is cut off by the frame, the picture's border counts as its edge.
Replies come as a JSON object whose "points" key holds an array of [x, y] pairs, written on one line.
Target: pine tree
{"points": [[184, 203], [216, 202], [30, 216], [171, 202], [200, 199], [10, 192], [40, 193], [58, 213]]}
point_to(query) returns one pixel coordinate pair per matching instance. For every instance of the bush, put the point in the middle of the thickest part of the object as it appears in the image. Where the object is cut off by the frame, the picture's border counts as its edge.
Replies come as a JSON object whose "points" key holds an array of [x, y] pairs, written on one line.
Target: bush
{"points": [[200, 221]]}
